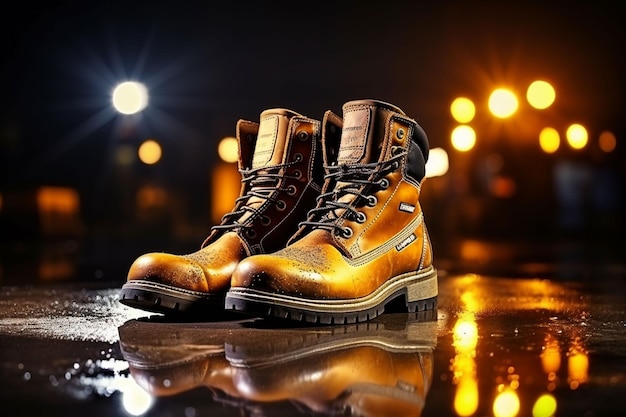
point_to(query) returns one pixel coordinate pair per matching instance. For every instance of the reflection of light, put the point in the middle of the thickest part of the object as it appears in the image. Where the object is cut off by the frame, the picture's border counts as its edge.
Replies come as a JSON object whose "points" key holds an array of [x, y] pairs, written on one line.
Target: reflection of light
{"points": [[463, 138], [463, 110], [228, 149], [465, 335], [437, 163], [506, 404], [130, 97], [545, 406], [466, 397], [136, 401], [551, 360], [577, 136], [465, 339], [549, 140], [150, 152], [502, 103], [577, 365], [540, 94]]}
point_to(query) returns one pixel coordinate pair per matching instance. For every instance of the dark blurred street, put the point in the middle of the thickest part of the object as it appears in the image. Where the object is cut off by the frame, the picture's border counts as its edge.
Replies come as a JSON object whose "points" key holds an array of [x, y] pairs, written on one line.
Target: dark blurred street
{"points": [[521, 339]]}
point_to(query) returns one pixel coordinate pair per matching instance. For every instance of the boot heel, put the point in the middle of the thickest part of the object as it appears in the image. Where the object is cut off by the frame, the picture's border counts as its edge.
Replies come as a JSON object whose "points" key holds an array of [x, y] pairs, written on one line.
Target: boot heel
{"points": [[422, 295]]}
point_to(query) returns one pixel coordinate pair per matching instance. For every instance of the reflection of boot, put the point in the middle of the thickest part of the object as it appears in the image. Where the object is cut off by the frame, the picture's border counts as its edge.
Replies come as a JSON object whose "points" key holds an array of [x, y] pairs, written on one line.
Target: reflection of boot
{"points": [[380, 368], [167, 359], [383, 367], [364, 244], [282, 165]]}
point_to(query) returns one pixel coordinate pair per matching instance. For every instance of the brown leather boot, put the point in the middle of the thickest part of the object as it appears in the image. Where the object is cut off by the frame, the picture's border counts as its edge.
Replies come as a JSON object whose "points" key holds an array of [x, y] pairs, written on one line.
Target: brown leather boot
{"points": [[364, 244], [281, 162]]}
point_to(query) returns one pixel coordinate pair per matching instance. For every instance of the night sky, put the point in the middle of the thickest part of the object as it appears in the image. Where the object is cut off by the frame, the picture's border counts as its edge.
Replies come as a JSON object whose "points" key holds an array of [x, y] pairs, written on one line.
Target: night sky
{"points": [[207, 64]]}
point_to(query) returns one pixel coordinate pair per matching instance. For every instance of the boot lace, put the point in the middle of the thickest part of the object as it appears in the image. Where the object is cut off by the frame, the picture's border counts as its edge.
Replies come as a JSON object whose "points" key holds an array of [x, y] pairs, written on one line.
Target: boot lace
{"points": [[360, 181], [264, 183]]}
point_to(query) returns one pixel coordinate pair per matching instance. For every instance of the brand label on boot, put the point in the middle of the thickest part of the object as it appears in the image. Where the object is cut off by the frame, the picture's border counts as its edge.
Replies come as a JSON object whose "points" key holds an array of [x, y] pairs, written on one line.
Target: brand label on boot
{"points": [[406, 242], [406, 207], [354, 136], [266, 141]]}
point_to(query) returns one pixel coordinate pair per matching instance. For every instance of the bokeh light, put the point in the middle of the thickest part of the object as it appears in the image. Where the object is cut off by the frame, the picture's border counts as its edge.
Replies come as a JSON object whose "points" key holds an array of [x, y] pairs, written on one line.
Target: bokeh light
{"points": [[228, 149], [437, 164], [545, 406], [577, 136], [540, 94], [549, 140], [607, 141], [130, 97], [150, 152], [463, 138], [463, 110], [503, 103]]}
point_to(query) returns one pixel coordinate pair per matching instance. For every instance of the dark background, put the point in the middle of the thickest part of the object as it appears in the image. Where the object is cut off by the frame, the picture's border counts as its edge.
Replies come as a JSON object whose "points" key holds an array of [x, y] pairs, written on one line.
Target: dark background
{"points": [[208, 64]]}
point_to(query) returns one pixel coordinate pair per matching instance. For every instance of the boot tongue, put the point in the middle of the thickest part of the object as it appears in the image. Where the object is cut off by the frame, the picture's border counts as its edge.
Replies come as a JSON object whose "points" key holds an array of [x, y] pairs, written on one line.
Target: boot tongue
{"points": [[363, 130], [269, 149], [362, 137], [272, 137]]}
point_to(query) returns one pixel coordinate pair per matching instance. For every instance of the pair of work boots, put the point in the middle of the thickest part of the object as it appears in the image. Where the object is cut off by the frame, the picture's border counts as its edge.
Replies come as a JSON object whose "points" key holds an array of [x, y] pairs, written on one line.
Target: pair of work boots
{"points": [[328, 227]]}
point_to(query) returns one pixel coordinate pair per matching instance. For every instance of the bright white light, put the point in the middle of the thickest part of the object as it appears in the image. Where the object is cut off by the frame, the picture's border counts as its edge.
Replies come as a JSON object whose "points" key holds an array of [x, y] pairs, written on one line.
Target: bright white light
{"points": [[135, 399], [437, 163], [130, 97]]}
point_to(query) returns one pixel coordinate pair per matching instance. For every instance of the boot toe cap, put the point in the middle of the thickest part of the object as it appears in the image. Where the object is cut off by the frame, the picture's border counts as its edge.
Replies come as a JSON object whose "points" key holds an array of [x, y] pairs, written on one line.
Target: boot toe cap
{"points": [[170, 270]]}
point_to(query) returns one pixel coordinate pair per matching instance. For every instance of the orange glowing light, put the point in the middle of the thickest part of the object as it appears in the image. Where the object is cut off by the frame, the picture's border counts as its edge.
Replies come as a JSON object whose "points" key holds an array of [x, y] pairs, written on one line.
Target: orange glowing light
{"points": [[150, 152], [228, 149], [463, 138], [577, 136], [503, 103], [437, 164], [540, 94], [549, 140], [607, 141], [463, 110], [506, 404]]}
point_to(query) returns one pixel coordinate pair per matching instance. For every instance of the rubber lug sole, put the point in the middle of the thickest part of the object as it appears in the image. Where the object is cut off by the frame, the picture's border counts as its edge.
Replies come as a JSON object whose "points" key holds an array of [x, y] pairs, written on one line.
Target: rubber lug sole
{"points": [[419, 293], [165, 299]]}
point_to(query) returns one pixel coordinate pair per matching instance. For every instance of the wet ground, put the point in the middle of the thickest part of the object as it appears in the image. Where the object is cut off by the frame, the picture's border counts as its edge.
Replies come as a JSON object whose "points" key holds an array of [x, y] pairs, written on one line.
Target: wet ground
{"points": [[513, 336]]}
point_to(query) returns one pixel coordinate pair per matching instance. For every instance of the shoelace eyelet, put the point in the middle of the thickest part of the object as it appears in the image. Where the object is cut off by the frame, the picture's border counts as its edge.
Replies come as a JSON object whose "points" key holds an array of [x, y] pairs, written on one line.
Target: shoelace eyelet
{"points": [[281, 205], [361, 217], [292, 190], [372, 201]]}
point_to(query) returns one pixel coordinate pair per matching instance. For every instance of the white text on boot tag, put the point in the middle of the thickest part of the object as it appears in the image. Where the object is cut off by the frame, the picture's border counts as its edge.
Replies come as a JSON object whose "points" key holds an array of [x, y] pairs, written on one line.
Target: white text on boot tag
{"points": [[406, 242], [406, 207]]}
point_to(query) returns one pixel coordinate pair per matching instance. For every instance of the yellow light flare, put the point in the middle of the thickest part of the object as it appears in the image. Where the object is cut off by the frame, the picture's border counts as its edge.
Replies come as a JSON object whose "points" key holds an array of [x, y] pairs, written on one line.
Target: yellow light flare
{"points": [[549, 140], [463, 110], [577, 136], [506, 404], [503, 103], [607, 141], [437, 164], [228, 149], [545, 406], [540, 94], [463, 138], [150, 152]]}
